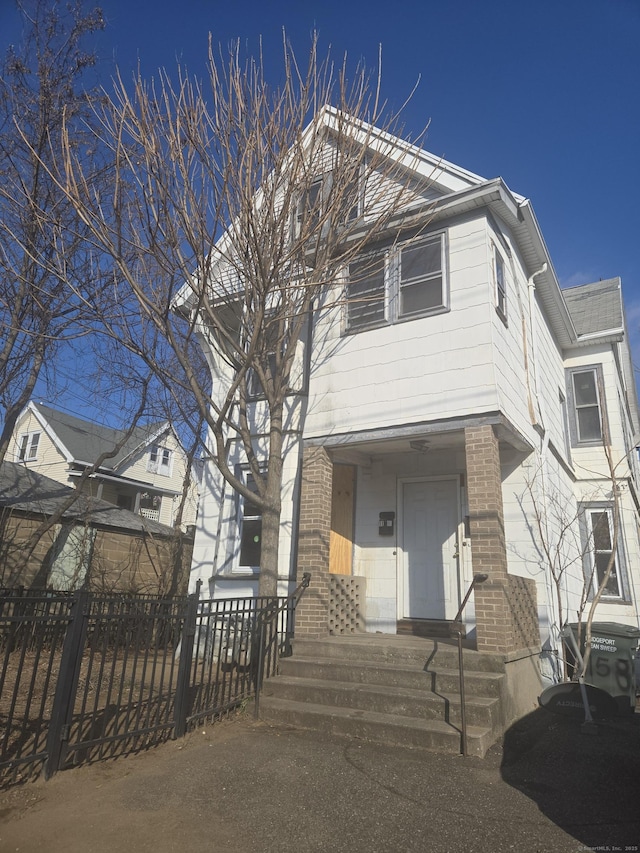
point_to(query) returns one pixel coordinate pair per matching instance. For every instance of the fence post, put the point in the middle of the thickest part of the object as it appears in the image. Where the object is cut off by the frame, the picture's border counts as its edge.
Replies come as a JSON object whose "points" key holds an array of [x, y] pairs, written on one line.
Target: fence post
{"points": [[67, 685], [184, 666]]}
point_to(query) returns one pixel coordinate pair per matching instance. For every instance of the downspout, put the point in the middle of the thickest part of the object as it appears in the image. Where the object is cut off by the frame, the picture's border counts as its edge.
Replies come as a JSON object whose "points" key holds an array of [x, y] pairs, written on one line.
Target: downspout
{"points": [[534, 353]]}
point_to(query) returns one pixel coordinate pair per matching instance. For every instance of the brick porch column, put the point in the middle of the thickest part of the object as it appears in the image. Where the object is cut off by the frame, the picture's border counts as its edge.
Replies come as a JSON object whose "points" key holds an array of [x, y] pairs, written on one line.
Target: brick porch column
{"points": [[494, 619], [312, 614]]}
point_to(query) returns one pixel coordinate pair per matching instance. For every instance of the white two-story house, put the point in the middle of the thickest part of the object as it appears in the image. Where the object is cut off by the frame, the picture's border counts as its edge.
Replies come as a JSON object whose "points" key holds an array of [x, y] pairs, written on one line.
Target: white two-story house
{"points": [[457, 409], [143, 472]]}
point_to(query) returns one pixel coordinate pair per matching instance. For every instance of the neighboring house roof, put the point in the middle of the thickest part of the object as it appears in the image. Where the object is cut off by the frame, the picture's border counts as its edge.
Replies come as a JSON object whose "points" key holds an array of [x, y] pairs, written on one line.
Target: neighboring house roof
{"points": [[595, 307], [85, 441], [27, 491], [597, 311]]}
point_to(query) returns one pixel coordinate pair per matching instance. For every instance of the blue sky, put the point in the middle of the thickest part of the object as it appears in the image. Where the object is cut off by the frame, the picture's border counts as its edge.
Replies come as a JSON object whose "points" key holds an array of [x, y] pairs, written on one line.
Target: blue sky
{"points": [[544, 93]]}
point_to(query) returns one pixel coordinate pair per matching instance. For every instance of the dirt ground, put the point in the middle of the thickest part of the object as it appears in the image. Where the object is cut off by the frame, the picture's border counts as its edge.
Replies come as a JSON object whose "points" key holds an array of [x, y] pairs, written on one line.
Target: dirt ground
{"points": [[244, 787]]}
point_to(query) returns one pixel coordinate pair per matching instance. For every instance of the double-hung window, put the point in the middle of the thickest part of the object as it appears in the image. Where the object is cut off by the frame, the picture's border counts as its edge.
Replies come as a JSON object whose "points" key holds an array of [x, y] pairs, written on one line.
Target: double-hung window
{"points": [[586, 406], [28, 449], [397, 283], [159, 460], [599, 552]]}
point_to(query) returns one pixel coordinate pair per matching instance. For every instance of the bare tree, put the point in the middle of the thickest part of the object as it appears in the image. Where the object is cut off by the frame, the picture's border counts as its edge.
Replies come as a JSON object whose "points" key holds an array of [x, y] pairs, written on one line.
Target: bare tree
{"points": [[567, 544], [45, 263], [234, 209]]}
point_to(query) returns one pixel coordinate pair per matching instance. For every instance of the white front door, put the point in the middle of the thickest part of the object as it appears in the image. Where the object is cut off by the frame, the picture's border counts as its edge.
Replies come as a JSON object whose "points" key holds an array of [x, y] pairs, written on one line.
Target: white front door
{"points": [[430, 523]]}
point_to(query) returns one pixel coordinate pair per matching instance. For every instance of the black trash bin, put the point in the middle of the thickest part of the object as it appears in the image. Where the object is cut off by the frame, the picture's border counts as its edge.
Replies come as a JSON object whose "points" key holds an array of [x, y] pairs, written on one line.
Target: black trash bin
{"points": [[611, 665]]}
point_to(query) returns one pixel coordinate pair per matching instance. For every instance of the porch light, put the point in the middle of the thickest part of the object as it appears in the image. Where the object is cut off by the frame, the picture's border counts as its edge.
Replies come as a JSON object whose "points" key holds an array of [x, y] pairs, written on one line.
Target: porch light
{"points": [[421, 445]]}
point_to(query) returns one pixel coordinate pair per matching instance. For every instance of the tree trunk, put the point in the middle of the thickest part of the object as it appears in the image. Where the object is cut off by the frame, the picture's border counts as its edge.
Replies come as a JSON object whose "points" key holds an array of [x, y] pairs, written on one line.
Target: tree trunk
{"points": [[272, 507], [270, 549]]}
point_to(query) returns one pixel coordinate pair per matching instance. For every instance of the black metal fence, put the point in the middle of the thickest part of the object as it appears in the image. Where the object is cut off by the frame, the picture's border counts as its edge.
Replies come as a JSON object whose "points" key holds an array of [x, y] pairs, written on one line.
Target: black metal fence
{"points": [[85, 677]]}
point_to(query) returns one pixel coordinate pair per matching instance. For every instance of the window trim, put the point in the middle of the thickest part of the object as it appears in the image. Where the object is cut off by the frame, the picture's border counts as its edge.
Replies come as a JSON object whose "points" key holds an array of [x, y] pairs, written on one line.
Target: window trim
{"points": [[587, 538], [392, 259], [596, 369]]}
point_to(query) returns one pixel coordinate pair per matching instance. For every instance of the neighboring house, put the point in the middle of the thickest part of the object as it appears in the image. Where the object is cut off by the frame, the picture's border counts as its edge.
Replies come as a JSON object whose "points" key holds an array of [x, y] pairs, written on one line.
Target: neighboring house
{"points": [[146, 475], [86, 542], [466, 399]]}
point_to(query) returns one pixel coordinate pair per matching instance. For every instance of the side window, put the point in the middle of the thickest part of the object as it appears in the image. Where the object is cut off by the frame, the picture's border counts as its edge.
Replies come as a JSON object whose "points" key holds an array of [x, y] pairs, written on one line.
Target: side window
{"points": [[598, 530], [586, 409], [28, 448], [250, 522], [500, 283]]}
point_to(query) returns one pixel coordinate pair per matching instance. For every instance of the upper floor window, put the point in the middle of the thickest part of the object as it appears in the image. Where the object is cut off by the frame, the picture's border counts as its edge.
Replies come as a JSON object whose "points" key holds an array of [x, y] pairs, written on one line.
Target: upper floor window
{"points": [[309, 206], [389, 285], [500, 280], [586, 409], [342, 191], [28, 448], [159, 460]]}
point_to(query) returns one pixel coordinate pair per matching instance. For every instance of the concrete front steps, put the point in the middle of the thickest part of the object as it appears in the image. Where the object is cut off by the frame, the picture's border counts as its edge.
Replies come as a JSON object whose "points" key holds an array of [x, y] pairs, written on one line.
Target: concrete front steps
{"points": [[390, 689]]}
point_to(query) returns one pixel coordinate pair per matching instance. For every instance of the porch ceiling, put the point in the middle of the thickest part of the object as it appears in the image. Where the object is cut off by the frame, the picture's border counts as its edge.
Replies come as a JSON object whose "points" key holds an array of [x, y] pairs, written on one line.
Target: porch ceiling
{"points": [[424, 438], [426, 443]]}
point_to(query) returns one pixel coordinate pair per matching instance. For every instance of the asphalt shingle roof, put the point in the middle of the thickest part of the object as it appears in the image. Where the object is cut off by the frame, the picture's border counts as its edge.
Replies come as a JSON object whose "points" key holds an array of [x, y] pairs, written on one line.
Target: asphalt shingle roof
{"points": [[86, 441], [25, 490], [595, 307]]}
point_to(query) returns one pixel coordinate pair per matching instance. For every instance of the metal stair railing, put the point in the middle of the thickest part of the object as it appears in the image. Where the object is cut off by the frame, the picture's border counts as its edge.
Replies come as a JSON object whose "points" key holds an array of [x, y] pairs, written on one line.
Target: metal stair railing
{"points": [[458, 628], [267, 618]]}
